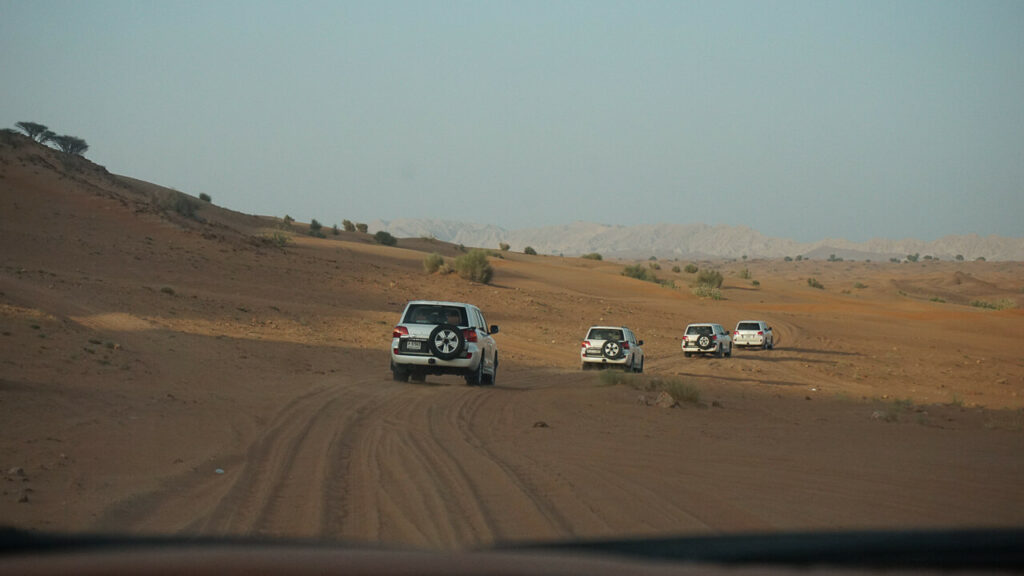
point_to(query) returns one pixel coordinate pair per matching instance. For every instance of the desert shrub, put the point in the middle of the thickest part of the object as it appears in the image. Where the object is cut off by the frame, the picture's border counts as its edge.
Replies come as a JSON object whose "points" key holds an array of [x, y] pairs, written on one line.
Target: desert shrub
{"points": [[385, 238], [613, 377], [504, 246], [959, 257], [745, 273], [177, 202], [653, 258], [593, 256], [894, 260], [288, 219], [433, 263], [315, 229], [913, 257], [348, 226], [461, 247], [979, 259], [756, 283], [1004, 304], [707, 291], [205, 197], [334, 230], [474, 266], [712, 278], [676, 269], [168, 290], [680, 390], [799, 257], [639, 272], [278, 239], [788, 259], [833, 258], [860, 285], [936, 299], [690, 269], [654, 266], [361, 227], [813, 283], [529, 250]]}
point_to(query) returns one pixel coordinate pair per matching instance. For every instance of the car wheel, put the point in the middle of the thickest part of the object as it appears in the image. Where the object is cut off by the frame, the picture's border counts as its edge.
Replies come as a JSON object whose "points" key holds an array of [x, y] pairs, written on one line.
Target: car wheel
{"points": [[399, 374], [611, 349], [490, 379], [641, 369], [446, 342], [729, 353], [705, 342], [476, 377], [720, 352], [771, 345]]}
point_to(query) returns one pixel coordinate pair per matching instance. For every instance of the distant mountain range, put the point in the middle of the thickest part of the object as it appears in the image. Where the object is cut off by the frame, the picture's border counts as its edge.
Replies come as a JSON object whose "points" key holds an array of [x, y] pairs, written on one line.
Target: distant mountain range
{"points": [[695, 241]]}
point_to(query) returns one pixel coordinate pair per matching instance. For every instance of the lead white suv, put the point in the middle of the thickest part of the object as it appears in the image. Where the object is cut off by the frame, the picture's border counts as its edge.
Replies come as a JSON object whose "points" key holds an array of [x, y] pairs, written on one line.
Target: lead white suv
{"points": [[435, 337], [707, 339], [753, 333], [607, 346]]}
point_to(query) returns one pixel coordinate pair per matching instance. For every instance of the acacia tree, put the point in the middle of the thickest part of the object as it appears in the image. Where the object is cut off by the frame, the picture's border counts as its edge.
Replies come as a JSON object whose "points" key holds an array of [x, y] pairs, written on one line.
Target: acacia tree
{"points": [[35, 131], [70, 145]]}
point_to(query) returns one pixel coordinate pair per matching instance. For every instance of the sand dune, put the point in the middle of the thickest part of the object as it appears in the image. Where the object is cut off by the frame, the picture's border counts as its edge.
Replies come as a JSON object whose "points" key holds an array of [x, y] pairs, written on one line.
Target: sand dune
{"points": [[165, 374]]}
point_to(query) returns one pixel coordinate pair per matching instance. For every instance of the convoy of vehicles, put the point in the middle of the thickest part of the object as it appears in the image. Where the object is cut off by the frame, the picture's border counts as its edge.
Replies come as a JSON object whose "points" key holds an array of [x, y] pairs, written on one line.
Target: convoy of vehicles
{"points": [[435, 337]]}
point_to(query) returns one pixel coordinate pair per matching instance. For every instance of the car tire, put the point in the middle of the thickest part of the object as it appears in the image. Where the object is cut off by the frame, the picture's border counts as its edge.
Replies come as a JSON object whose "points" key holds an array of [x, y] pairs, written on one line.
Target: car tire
{"points": [[611, 350], [641, 369], [729, 353], [720, 352], [490, 379], [399, 374], [446, 342], [476, 377], [704, 342], [771, 345]]}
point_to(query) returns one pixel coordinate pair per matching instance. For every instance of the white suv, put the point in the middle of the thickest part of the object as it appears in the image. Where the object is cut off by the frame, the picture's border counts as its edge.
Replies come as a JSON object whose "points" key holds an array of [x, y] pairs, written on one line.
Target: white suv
{"points": [[444, 338], [615, 346], [707, 339], [753, 333]]}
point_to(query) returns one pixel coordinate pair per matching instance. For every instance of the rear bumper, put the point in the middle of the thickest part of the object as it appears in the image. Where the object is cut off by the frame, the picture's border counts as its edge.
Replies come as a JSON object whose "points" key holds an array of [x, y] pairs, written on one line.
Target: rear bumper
{"points": [[750, 341], [699, 350], [601, 360]]}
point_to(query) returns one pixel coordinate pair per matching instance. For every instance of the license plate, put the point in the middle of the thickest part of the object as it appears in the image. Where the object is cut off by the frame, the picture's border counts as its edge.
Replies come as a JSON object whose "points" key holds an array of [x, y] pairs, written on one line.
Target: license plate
{"points": [[413, 345]]}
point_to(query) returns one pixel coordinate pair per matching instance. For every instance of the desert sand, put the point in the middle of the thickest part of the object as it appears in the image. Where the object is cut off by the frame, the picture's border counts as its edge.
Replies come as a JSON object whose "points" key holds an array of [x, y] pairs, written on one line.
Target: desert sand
{"points": [[170, 375]]}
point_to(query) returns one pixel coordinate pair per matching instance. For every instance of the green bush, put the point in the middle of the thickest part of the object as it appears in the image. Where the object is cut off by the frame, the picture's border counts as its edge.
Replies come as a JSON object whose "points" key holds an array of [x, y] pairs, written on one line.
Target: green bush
{"points": [[474, 266], [1004, 304], [315, 229], [529, 250], [433, 263], [712, 278], [654, 266], [675, 269], [334, 230], [361, 227], [504, 246], [205, 197], [348, 226], [593, 256], [756, 283], [690, 269], [745, 273], [639, 272], [788, 259], [707, 291], [385, 238], [813, 283], [288, 219]]}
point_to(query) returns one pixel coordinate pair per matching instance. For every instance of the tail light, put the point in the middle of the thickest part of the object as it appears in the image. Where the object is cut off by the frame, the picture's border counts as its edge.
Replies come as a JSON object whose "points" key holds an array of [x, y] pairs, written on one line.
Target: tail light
{"points": [[469, 334], [399, 331], [736, 333], [625, 345], [760, 333], [714, 337], [586, 344]]}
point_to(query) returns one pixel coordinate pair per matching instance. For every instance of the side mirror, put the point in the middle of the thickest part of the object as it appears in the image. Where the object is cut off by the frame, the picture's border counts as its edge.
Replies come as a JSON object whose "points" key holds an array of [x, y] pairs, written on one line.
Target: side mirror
{"points": [[639, 342], [494, 329]]}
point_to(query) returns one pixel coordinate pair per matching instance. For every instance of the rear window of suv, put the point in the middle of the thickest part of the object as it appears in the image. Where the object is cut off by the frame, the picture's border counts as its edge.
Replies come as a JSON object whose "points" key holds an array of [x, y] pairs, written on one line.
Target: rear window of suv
{"points": [[748, 326], [605, 334], [436, 314], [692, 330]]}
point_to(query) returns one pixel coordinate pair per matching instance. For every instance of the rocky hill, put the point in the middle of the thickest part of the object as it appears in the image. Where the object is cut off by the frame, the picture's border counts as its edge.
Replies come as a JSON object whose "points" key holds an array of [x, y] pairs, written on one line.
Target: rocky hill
{"points": [[697, 241]]}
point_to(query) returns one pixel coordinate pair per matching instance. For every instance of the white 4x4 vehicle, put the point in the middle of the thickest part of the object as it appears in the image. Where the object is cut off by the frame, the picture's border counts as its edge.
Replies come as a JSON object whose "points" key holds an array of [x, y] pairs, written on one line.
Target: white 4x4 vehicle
{"points": [[612, 346], [444, 338], [753, 333], [707, 339]]}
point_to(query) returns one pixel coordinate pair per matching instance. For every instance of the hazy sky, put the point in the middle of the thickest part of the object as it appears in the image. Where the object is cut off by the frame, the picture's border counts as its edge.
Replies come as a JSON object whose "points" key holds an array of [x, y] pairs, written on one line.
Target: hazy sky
{"points": [[803, 120]]}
